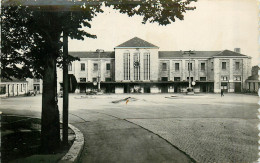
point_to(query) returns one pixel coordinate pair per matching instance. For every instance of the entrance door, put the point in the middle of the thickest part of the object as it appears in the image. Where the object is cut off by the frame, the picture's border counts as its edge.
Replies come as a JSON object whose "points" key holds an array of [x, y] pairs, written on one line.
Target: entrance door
{"points": [[238, 87], [147, 89], [126, 88], [203, 88], [164, 89]]}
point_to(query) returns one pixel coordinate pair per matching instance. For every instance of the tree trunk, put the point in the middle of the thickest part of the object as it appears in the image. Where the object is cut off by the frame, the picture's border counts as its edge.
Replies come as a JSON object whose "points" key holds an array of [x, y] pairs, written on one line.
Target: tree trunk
{"points": [[50, 127]]}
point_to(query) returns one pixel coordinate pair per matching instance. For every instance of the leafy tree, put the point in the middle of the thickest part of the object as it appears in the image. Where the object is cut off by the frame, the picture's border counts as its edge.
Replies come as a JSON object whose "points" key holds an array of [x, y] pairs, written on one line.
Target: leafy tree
{"points": [[31, 41]]}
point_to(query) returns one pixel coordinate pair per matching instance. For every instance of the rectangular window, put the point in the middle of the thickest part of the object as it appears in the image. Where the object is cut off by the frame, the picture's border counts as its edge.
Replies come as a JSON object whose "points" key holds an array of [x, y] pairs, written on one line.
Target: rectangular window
{"points": [[224, 65], [82, 79], [224, 86], [177, 79], [177, 66], [202, 66], [224, 78], [126, 66], [164, 78], [70, 67], [108, 66], [237, 65], [202, 78], [237, 78], [190, 66], [21, 88], [164, 66], [108, 79], [82, 66], [191, 78], [95, 66], [94, 79]]}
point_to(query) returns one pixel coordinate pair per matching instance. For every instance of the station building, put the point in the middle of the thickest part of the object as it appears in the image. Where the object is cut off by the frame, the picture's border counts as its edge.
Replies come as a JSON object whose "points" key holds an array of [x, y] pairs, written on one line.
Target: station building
{"points": [[138, 66]]}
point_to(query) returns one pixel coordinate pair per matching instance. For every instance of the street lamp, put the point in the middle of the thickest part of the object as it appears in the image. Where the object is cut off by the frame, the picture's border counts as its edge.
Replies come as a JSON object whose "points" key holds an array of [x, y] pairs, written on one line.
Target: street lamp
{"points": [[99, 75], [189, 66]]}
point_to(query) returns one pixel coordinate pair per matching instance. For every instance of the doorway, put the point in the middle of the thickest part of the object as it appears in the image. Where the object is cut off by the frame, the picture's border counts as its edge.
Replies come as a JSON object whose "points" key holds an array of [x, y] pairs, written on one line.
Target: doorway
{"points": [[237, 87]]}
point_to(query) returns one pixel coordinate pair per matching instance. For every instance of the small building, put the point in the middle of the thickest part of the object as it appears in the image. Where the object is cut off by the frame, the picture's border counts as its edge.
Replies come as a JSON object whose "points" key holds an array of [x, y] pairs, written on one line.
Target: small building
{"points": [[13, 87], [253, 82]]}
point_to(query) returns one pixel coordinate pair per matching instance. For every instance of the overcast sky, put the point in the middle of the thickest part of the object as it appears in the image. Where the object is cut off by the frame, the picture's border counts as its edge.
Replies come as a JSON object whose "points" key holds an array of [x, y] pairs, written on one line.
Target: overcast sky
{"points": [[214, 25]]}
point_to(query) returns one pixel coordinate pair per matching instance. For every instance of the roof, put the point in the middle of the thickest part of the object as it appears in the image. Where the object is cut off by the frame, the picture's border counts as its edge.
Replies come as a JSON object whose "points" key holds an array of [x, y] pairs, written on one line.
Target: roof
{"points": [[109, 54], [179, 54], [13, 80], [230, 53], [136, 42]]}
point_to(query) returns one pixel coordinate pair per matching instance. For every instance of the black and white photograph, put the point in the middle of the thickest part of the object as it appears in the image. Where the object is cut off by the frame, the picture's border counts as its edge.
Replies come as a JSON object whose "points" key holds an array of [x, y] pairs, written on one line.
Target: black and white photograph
{"points": [[129, 81]]}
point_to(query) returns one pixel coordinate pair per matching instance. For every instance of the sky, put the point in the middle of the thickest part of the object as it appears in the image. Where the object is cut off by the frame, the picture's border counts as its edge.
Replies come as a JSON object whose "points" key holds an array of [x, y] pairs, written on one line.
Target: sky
{"points": [[214, 25]]}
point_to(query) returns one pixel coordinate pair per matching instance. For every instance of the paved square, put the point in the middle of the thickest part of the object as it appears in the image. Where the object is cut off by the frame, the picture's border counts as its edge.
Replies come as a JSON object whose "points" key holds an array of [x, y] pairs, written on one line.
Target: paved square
{"points": [[206, 127]]}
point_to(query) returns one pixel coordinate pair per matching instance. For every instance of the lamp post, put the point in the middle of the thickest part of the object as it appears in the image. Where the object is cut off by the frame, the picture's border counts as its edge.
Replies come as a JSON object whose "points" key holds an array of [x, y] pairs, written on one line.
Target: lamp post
{"points": [[99, 73], [189, 65]]}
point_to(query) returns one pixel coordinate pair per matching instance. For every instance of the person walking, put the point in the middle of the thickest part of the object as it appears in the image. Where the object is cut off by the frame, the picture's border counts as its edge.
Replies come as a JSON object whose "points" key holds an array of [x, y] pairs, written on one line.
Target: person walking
{"points": [[222, 92]]}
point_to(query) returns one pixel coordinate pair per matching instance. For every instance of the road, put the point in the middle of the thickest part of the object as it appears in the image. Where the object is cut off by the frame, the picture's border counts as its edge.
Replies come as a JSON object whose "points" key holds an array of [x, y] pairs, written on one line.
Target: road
{"points": [[159, 127]]}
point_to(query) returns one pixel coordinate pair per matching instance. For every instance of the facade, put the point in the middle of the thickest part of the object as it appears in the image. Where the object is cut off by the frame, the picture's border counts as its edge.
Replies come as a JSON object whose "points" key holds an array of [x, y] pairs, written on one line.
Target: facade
{"points": [[253, 83], [14, 87], [138, 66], [34, 85]]}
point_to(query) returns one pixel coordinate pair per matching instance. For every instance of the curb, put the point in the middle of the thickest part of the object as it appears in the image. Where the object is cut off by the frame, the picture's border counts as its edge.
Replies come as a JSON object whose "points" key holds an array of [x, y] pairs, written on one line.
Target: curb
{"points": [[76, 148]]}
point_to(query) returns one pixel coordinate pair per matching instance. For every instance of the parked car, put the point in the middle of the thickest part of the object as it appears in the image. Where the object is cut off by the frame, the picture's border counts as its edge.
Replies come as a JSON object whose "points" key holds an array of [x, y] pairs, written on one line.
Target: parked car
{"points": [[91, 92], [31, 93]]}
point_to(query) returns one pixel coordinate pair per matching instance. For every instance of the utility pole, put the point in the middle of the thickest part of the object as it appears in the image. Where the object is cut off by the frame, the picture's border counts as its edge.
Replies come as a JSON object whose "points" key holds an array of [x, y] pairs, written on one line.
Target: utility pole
{"points": [[65, 89], [99, 67], [189, 65]]}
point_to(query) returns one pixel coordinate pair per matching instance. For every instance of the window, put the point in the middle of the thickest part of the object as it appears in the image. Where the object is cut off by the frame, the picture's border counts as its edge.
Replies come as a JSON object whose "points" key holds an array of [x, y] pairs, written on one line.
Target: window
{"points": [[108, 79], [177, 79], [212, 66], [21, 88], [95, 66], [136, 65], [127, 65], [237, 65], [224, 78], [2, 89], [202, 66], [94, 79], [164, 66], [224, 86], [237, 78], [224, 65], [36, 80], [177, 66], [190, 66], [70, 67], [82, 66], [202, 78], [82, 79], [146, 66], [191, 78], [164, 78], [108, 66]]}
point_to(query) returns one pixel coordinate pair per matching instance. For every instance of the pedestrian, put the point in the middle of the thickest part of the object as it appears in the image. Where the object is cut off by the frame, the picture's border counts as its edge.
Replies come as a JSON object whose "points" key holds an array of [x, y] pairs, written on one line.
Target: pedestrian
{"points": [[222, 92]]}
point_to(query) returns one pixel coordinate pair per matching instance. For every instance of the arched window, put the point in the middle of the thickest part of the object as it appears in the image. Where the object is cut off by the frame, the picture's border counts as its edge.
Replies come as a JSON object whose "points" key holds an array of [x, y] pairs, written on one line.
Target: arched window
{"points": [[147, 65], [127, 65], [136, 65]]}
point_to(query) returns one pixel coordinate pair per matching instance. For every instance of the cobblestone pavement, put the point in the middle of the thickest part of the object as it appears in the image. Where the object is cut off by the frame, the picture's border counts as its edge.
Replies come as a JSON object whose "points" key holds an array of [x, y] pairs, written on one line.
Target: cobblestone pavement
{"points": [[206, 127]]}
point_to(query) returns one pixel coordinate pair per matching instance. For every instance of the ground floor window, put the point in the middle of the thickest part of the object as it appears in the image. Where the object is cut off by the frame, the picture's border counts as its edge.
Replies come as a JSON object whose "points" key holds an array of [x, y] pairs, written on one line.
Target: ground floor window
{"points": [[108, 79], [2, 89], [164, 78], [202, 78], [82, 79], [177, 79], [224, 86]]}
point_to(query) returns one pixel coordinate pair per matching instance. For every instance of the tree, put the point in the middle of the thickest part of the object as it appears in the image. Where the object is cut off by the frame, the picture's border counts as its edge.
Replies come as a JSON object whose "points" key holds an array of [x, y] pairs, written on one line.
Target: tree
{"points": [[31, 41]]}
